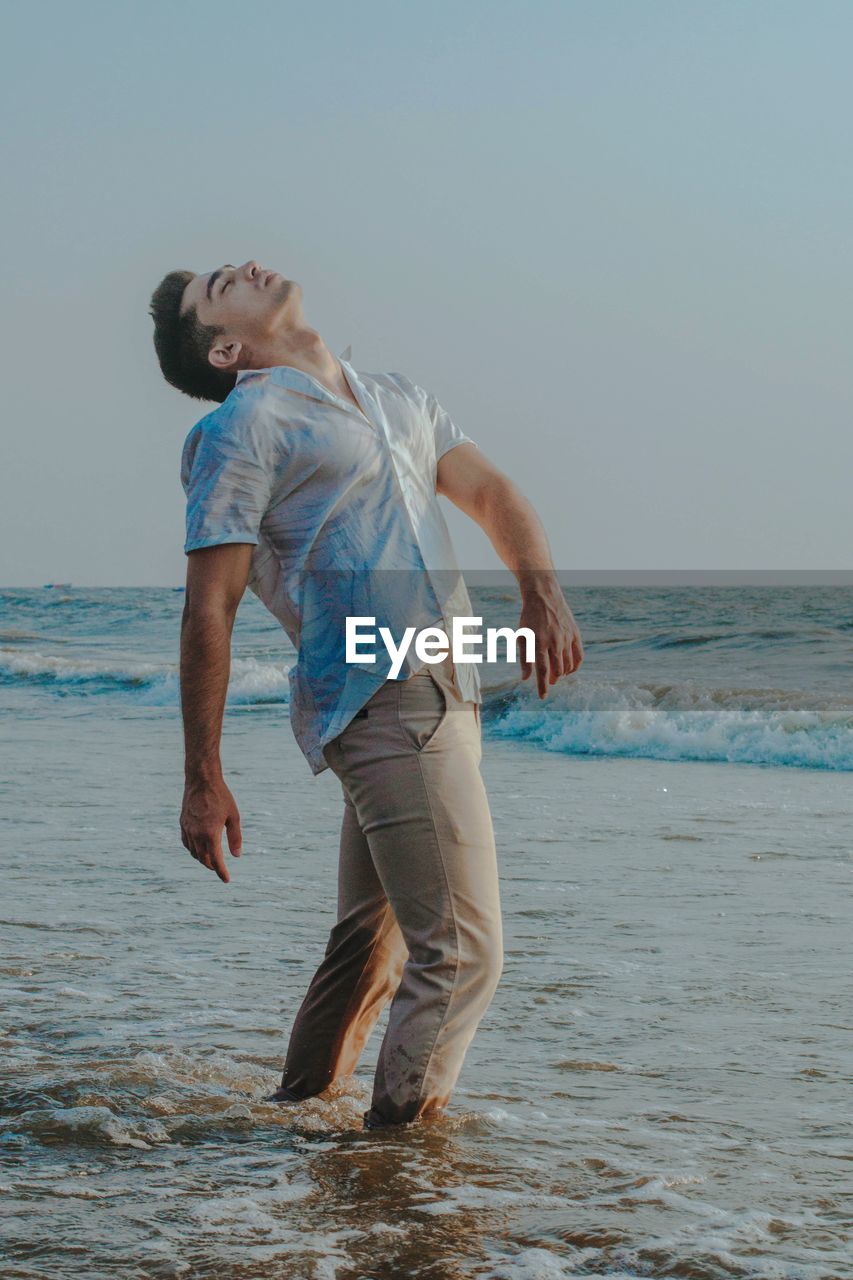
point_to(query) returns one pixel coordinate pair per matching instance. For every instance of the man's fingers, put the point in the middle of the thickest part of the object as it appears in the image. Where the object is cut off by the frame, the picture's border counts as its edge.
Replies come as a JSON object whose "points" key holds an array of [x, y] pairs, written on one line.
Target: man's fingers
{"points": [[234, 833], [219, 866], [206, 850], [572, 654], [190, 846], [555, 655], [207, 810], [542, 672], [210, 853]]}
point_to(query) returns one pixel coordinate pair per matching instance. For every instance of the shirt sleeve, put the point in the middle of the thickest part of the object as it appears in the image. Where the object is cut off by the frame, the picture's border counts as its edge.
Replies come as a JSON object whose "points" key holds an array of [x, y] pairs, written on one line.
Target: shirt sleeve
{"points": [[445, 431], [447, 434], [227, 488]]}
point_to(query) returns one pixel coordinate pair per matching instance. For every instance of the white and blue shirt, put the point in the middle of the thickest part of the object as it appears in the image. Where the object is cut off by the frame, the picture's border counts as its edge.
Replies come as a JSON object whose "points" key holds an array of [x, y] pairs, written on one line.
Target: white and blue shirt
{"points": [[342, 508]]}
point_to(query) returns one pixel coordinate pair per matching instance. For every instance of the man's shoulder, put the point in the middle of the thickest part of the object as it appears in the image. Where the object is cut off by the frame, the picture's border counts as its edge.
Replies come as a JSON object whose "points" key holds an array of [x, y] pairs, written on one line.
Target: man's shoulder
{"points": [[193, 439], [393, 380], [239, 412], [233, 425], [394, 385]]}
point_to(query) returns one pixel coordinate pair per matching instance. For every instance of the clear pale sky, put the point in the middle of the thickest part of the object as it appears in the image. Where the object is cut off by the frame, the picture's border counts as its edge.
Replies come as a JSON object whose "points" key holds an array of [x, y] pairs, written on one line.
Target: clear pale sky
{"points": [[614, 238]]}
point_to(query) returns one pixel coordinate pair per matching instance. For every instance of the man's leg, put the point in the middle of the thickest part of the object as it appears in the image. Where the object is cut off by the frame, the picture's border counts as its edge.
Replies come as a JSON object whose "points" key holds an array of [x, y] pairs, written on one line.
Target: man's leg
{"points": [[358, 975], [412, 770]]}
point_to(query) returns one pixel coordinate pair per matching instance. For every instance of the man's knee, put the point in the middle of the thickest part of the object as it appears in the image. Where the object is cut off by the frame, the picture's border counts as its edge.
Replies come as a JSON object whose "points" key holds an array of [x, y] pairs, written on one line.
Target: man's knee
{"points": [[493, 963], [484, 967]]}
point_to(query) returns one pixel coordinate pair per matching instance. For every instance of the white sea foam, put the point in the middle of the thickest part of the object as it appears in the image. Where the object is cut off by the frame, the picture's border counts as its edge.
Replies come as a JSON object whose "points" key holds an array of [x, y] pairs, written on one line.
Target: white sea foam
{"points": [[96, 1125], [150, 683], [541, 1264], [683, 722]]}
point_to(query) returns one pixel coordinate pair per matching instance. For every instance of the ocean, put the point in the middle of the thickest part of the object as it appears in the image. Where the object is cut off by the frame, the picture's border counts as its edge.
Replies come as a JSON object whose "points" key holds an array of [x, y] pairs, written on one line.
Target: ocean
{"points": [[662, 1084]]}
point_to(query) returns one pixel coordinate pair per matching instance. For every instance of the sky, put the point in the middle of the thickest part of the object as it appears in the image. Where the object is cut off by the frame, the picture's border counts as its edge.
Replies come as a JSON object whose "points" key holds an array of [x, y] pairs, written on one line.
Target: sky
{"points": [[612, 237]]}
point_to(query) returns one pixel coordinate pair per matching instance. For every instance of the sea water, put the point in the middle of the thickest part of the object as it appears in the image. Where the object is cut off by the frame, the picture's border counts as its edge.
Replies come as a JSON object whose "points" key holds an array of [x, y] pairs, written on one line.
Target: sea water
{"points": [[661, 1085]]}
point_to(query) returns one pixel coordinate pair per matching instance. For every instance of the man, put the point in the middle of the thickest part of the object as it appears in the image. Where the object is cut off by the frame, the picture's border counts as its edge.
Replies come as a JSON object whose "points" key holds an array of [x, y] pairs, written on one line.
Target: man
{"points": [[317, 487]]}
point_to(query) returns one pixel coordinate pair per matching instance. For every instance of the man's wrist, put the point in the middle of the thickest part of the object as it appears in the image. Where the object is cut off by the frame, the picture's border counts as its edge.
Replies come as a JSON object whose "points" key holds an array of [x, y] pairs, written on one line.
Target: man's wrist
{"points": [[538, 584], [203, 774]]}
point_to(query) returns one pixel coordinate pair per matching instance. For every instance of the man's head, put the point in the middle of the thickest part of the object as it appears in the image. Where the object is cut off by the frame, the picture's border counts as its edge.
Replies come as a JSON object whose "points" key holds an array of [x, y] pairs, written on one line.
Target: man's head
{"points": [[209, 327]]}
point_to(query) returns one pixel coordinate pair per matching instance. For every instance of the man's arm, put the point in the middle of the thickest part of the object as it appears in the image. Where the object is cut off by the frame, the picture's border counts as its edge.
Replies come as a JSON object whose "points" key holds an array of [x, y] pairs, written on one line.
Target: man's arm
{"points": [[216, 581], [501, 510]]}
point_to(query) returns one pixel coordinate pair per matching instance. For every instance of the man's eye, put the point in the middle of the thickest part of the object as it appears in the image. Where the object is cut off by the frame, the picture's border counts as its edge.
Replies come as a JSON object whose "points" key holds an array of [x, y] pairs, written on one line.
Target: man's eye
{"points": [[227, 283]]}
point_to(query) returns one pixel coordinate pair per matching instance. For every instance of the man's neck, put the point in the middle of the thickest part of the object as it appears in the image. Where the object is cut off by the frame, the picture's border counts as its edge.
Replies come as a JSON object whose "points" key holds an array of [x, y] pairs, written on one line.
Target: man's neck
{"points": [[304, 349]]}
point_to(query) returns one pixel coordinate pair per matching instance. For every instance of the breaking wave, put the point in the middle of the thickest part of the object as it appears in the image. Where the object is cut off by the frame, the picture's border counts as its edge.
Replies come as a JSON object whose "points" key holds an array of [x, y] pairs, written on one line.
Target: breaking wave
{"points": [[680, 722], [151, 683], [677, 721]]}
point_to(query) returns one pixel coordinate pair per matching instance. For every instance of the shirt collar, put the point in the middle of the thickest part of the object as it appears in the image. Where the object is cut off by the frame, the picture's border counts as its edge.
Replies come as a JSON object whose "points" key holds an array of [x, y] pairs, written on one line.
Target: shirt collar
{"points": [[284, 375]]}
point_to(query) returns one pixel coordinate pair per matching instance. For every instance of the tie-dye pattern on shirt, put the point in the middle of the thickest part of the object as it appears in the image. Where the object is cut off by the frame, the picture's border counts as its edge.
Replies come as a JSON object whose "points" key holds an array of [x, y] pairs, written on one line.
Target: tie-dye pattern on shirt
{"points": [[341, 505]]}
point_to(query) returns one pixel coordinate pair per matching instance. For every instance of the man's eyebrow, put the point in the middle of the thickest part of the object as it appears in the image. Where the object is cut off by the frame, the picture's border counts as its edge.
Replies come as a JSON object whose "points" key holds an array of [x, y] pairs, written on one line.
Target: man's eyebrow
{"points": [[214, 276]]}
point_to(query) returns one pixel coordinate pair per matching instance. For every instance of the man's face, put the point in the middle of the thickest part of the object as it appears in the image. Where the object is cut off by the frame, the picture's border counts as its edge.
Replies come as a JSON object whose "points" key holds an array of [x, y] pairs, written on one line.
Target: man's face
{"points": [[249, 303]]}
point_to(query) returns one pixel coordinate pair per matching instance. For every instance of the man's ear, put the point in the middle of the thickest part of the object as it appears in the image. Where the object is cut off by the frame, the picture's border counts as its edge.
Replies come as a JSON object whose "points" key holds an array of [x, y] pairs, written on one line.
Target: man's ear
{"points": [[225, 354]]}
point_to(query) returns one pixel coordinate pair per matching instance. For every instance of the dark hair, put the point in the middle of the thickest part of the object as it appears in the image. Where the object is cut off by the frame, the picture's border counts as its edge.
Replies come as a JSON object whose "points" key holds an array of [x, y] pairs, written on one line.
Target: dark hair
{"points": [[182, 342]]}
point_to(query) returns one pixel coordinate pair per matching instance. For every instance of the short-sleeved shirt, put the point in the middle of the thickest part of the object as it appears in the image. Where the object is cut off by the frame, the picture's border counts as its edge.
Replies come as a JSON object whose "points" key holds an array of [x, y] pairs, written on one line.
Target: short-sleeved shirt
{"points": [[341, 506]]}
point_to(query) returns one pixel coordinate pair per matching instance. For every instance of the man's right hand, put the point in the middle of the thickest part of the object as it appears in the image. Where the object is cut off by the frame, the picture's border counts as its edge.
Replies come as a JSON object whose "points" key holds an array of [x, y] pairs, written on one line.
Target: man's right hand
{"points": [[208, 807], [216, 581]]}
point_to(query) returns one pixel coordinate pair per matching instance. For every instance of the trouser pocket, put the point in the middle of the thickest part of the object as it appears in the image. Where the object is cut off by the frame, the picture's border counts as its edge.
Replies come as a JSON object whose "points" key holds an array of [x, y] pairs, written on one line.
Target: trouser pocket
{"points": [[422, 709]]}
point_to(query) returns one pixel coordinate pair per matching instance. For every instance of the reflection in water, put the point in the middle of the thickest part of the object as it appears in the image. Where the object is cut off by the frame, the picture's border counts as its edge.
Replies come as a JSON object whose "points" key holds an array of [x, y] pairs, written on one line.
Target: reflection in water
{"points": [[396, 1188]]}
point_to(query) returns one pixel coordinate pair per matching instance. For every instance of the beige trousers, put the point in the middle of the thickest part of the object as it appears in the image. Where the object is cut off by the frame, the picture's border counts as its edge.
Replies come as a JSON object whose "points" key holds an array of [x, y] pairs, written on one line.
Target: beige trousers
{"points": [[419, 913]]}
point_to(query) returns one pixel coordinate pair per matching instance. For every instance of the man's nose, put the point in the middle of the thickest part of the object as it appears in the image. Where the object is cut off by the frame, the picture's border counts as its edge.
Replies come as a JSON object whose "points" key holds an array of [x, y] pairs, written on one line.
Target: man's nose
{"points": [[250, 268]]}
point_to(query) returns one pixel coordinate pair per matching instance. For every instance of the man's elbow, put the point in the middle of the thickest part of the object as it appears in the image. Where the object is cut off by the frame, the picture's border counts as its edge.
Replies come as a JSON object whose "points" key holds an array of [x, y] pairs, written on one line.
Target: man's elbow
{"points": [[492, 498], [207, 621], [210, 605], [217, 578]]}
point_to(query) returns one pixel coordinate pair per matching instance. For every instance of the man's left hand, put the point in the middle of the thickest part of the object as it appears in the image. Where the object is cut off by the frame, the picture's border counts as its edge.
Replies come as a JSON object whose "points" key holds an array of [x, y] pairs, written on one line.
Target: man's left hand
{"points": [[558, 647]]}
